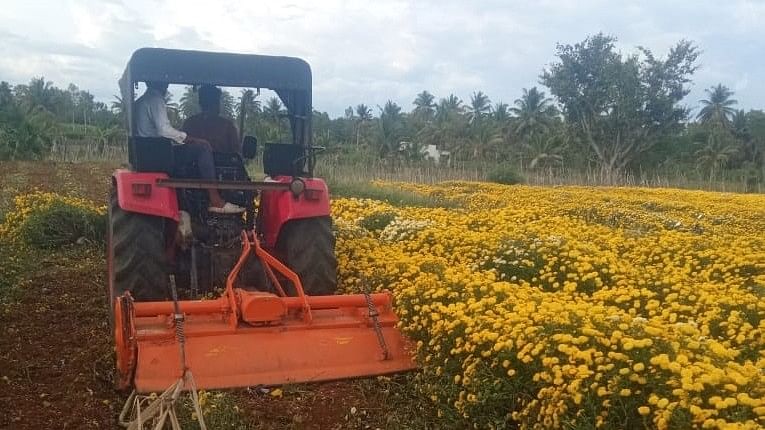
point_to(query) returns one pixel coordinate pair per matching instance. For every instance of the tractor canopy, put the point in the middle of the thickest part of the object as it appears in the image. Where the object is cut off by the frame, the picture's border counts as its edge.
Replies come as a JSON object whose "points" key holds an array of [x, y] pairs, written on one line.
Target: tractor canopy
{"points": [[289, 77]]}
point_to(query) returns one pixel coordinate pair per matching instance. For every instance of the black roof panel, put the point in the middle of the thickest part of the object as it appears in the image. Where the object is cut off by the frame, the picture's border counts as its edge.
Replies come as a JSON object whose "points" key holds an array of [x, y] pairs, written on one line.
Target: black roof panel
{"points": [[230, 70]]}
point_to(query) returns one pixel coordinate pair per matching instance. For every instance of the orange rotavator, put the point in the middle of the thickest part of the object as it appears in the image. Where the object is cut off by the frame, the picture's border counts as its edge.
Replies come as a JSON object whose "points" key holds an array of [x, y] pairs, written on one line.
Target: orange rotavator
{"points": [[277, 319]]}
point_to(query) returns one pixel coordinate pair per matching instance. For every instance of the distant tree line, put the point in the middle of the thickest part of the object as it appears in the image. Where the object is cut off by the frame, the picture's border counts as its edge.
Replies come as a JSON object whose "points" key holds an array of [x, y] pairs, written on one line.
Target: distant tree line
{"points": [[607, 111]]}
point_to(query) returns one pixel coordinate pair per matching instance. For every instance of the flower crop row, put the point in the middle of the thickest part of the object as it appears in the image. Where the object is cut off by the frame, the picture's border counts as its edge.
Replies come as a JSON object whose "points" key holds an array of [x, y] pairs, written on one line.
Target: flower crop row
{"points": [[573, 307], [27, 205]]}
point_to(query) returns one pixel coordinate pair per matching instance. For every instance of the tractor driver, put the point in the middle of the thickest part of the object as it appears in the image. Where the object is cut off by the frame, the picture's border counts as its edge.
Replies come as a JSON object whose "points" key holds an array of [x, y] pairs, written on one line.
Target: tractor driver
{"points": [[210, 125], [151, 121]]}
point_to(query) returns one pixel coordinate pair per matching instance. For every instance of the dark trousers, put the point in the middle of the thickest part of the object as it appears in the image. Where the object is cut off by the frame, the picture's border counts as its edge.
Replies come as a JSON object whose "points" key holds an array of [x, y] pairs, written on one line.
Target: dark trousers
{"points": [[194, 158]]}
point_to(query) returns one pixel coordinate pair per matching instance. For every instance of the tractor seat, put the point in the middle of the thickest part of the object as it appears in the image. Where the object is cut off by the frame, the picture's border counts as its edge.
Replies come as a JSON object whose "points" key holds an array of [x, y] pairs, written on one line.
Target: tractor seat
{"points": [[283, 159], [150, 154]]}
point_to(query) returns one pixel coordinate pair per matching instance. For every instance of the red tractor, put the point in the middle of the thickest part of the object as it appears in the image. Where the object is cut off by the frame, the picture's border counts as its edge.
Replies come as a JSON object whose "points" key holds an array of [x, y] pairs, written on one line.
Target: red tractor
{"points": [[293, 218], [268, 326]]}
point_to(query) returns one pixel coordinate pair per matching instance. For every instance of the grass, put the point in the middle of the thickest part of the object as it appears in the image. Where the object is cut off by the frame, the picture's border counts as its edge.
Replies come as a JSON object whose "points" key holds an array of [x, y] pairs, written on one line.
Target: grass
{"points": [[347, 183], [402, 405], [386, 193], [333, 167], [221, 411]]}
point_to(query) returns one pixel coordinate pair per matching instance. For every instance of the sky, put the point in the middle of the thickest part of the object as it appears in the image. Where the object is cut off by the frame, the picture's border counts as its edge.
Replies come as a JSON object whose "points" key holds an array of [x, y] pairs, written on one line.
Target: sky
{"points": [[372, 51]]}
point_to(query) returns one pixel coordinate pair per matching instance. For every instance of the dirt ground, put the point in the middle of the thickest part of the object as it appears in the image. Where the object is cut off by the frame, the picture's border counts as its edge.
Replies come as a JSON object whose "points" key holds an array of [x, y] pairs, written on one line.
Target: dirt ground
{"points": [[55, 350], [56, 359]]}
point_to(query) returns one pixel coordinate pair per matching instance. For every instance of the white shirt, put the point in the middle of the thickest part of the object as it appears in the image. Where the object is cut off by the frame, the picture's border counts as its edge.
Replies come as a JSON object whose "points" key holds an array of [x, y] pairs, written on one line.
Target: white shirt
{"points": [[151, 117]]}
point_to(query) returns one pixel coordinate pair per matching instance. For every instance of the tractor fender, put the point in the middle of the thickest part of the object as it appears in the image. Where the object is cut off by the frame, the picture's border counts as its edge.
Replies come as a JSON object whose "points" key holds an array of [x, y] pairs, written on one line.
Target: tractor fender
{"points": [[138, 192], [278, 207]]}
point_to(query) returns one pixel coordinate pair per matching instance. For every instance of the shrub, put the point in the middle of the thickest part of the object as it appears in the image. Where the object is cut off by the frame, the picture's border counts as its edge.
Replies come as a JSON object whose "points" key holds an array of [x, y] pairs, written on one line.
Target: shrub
{"points": [[62, 224], [506, 175], [48, 220]]}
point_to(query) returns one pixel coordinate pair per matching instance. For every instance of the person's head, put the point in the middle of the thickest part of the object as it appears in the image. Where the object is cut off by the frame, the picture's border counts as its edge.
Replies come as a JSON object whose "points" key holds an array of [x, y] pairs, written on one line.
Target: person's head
{"points": [[157, 86], [209, 98]]}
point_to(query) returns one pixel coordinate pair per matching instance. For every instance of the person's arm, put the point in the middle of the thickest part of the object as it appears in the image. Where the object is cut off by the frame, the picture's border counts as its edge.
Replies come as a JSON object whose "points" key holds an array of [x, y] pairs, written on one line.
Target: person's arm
{"points": [[158, 114]]}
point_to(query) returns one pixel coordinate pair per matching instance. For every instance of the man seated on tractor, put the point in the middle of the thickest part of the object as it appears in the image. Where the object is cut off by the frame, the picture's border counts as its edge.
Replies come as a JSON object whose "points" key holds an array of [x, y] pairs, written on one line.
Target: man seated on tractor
{"points": [[211, 126], [151, 121]]}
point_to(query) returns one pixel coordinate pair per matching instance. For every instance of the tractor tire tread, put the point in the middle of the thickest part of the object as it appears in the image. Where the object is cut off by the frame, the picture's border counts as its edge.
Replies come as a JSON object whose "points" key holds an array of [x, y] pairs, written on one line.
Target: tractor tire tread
{"points": [[137, 245], [308, 245]]}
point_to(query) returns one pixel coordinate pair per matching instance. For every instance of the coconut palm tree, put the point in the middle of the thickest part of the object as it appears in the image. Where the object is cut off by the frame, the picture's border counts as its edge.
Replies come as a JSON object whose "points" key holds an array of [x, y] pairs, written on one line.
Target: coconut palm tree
{"points": [[716, 151], [390, 127], [189, 102], [449, 130], [227, 104], [485, 137], [740, 125], [533, 111], [363, 112], [172, 110], [451, 104], [118, 109], [425, 107], [718, 109], [39, 93], [501, 113], [247, 106], [544, 150], [480, 106], [363, 115], [273, 109]]}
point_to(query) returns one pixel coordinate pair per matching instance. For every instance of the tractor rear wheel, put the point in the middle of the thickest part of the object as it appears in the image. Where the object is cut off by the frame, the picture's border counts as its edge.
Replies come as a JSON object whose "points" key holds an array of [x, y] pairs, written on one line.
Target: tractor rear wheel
{"points": [[136, 257], [308, 246]]}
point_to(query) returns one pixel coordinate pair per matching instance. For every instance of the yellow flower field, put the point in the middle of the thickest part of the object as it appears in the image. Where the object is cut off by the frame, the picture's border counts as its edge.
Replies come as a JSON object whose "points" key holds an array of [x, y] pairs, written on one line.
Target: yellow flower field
{"points": [[573, 307]]}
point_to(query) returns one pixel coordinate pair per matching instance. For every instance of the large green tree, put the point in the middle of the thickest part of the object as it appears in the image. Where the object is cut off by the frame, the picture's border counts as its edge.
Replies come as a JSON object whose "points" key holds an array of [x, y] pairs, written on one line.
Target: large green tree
{"points": [[621, 106]]}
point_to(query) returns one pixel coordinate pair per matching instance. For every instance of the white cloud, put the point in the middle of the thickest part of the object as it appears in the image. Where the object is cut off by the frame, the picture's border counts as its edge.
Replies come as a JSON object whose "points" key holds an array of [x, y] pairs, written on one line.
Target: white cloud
{"points": [[371, 51], [89, 28]]}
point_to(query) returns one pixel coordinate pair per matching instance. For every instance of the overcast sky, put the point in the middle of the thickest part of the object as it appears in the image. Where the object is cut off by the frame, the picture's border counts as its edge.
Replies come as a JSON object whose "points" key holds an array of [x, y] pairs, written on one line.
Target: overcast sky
{"points": [[373, 51]]}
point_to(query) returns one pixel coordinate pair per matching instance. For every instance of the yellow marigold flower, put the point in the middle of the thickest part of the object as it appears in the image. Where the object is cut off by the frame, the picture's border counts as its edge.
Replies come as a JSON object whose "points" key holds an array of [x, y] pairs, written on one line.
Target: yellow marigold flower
{"points": [[557, 269]]}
